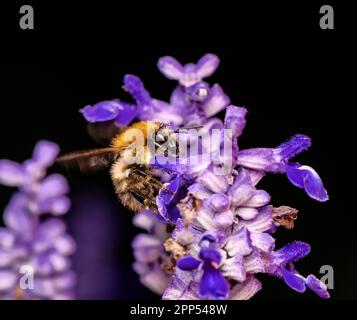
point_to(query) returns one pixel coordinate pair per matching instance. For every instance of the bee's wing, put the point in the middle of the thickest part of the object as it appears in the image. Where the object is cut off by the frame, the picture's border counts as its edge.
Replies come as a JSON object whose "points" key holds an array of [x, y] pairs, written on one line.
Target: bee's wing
{"points": [[89, 160], [103, 132]]}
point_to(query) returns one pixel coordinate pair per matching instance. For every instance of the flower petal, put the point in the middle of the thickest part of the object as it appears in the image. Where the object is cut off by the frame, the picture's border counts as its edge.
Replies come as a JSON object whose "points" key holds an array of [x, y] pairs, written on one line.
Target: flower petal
{"points": [[216, 183], [254, 175], [207, 65], [17, 217], [65, 245], [246, 213], [127, 113], [306, 178], [224, 219], [178, 99], [219, 202], [147, 248], [259, 199], [188, 263], [178, 286], [12, 173], [65, 281], [210, 254], [53, 186], [164, 198], [7, 238], [262, 241], [212, 283], [199, 191], [259, 159], [50, 229], [246, 290], [7, 280], [47, 233], [135, 87], [216, 101], [262, 222], [58, 206], [233, 268], [241, 193], [45, 153], [163, 112], [294, 251], [235, 119], [101, 111], [170, 68], [254, 263], [145, 220], [239, 243], [294, 280], [49, 263], [293, 146], [317, 286]]}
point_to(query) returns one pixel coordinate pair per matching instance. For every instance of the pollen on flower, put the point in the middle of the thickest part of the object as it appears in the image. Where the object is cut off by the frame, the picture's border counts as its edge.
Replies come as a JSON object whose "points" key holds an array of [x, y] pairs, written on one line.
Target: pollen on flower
{"points": [[174, 248], [188, 211]]}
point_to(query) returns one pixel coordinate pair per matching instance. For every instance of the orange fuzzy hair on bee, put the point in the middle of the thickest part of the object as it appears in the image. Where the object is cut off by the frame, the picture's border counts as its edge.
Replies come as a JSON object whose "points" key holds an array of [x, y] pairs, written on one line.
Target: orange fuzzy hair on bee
{"points": [[140, 129]]}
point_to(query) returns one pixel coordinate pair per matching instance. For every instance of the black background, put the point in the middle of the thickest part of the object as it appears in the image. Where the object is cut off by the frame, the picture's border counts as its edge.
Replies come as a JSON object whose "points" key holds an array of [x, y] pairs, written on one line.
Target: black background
{"points": [[275, 60]]}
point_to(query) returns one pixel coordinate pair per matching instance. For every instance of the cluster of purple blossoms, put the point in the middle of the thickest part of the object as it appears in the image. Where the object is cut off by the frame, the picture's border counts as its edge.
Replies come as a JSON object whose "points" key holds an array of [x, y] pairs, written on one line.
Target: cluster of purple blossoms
{"points": [[34, 245], [215, 232]]}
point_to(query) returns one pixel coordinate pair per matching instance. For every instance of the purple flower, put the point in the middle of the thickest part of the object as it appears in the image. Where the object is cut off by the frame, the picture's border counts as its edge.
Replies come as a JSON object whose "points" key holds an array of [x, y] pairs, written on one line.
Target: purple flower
{"points": [[284, 258], [149, 252], [122, 113], [167, 201], [190, 74], [306, 178], [29, 242], [146, 108], [277, 160], [212, 283], [14, 174], [189, 104], [223, 224]]}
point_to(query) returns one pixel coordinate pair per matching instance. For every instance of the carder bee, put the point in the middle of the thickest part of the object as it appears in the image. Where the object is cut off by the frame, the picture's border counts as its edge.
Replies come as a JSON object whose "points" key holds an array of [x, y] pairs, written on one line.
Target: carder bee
{"points": [[129, 156]]}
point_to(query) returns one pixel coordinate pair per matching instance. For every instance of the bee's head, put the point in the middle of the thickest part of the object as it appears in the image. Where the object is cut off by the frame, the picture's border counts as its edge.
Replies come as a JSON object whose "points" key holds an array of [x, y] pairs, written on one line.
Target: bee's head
{"points": [[166, 140]]}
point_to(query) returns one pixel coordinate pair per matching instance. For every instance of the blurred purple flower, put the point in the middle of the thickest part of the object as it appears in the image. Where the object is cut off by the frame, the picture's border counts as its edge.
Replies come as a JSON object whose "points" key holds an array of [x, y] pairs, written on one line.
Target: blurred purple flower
{"points": [[30, 241], [149, 252]]}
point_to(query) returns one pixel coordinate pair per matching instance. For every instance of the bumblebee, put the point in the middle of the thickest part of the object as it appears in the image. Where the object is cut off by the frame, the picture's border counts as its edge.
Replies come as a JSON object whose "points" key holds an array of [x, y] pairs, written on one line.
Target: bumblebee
{"points": [[129, 156]]}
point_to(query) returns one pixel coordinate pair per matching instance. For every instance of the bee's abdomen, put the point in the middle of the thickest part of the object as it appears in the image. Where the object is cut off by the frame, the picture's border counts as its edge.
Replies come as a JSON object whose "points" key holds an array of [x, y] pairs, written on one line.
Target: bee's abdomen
{"points": [[134, 185], [125, 196]]}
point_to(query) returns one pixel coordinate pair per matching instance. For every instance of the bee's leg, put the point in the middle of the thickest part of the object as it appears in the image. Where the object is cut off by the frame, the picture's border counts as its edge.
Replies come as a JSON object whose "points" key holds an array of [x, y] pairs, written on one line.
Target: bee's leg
{"points": [[160, 185], [137, 172], [144, 172], [148, 203], [146, 199]]}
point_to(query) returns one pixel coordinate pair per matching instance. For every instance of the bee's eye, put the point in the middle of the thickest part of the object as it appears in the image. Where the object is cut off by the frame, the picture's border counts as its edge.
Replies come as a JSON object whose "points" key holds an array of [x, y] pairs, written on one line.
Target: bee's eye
{"points": [[160, 137]]}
